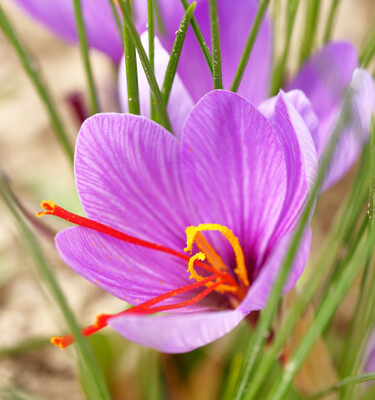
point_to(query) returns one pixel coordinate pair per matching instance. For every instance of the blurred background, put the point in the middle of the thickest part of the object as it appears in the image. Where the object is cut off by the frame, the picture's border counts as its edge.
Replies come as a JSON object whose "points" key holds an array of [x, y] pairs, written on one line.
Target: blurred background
{"points": [[37, 170]]}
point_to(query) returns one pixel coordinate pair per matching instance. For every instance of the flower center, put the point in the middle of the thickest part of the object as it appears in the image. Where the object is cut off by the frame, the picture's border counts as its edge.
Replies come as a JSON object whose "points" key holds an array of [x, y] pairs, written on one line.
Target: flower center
{"points": [[219, 279]]}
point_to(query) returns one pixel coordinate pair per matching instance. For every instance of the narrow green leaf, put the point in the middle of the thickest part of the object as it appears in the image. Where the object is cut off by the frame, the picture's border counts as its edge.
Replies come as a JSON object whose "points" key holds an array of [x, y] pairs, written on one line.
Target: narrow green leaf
{"points": [[267, 315], [116, 18], [311, 23], [133, 34], [151, 46], [94, 105], [176, 52], [350, 268], [368, 50], [200, 38], [215, 41], [87, 358], [351, 380], [249, 45], [363, 320], [130, 62], [331, 20], [31, 68], [24, 347], [278, 73]]}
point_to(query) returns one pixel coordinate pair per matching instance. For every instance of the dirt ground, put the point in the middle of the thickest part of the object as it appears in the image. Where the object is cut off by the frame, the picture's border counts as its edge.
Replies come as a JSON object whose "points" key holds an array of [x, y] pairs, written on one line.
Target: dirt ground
{"points": [[38, 170]]}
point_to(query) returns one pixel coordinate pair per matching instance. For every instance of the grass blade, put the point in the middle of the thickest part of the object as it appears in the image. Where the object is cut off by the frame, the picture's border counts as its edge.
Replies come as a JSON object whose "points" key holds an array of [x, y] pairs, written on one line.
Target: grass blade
{"points": [[31, 68], [130, 63], [311, 22], [331, 20], [278, 73], [200, 38], [151, 46], [133, 34], [215, 41], [96, 380], [351, 380], [249, 45], [176, 52], [94, 105]]}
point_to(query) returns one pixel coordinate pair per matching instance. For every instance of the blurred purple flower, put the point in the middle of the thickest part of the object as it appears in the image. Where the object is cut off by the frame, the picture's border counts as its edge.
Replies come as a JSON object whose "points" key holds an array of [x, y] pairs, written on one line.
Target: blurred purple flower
{"points": [[324, 78], [232, 167]]}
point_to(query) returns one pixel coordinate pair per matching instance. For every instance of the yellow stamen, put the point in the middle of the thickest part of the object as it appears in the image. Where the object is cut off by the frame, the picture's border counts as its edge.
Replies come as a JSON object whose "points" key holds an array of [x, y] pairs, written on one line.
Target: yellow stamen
{"points": [[240, 270], [194, 275], [212, 257]]}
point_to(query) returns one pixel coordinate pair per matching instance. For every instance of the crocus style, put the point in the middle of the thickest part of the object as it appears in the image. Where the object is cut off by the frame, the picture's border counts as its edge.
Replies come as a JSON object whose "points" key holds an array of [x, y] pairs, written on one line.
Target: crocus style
{"points": [[232, 174]]}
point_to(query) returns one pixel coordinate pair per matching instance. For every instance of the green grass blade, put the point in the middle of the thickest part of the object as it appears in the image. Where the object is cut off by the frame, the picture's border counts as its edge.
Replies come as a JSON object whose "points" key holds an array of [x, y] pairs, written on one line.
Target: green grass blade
{"points": [[116, 18], [311, 23], [31, 68], [331, 20], [94, 104], [249, 45], [368, 51], [200, 38], [267, 315], [151, 47], [133, 34], [96, 380], [176, 52], [349, 381], [215, 42], [349, 269], [130, 63], [278, 73]]}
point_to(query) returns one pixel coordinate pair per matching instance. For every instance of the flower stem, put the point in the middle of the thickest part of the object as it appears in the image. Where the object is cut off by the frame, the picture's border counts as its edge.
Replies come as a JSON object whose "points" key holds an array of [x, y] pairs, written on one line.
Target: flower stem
{"points": [[31, 68], [176, 52], [133, 34], [94, 105], [215, 41], [200, 38], [249, 46], [130, 62]]}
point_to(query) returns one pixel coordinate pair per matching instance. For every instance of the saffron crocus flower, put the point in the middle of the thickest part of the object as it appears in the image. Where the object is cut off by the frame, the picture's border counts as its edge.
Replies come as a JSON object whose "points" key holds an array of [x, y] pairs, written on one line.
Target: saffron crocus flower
{"points": [[241, 179], [324, 78]]}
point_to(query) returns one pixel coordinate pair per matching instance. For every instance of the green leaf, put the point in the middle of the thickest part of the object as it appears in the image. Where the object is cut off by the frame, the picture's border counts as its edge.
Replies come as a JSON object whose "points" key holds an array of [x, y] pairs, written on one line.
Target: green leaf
{"points": [[94, 105], [31, 68]]}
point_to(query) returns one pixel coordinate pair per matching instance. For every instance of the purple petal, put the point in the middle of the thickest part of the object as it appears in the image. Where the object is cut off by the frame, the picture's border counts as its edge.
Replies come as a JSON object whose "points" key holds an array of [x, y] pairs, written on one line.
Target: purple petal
{"points": [[259, 291], [303, 107], [132, 273], [234, 166], [180, 102], [301, 161], [58, 16], [177, 333], [235, 18], [128, 177], [325, 78], [359, 107]]}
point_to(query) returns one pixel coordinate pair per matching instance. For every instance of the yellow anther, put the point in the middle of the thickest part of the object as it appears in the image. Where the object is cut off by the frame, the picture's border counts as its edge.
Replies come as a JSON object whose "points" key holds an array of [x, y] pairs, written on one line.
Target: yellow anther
{"points": [[212, 257], [240, 270], [199, 256], [194, 275]]}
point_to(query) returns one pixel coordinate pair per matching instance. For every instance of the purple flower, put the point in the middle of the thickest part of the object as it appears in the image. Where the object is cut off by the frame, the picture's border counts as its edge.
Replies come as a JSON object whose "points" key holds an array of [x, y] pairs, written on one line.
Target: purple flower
{"points": [[233, 171], [324, 78]]}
